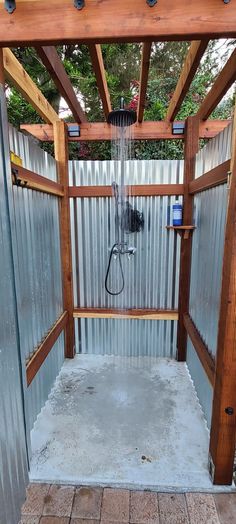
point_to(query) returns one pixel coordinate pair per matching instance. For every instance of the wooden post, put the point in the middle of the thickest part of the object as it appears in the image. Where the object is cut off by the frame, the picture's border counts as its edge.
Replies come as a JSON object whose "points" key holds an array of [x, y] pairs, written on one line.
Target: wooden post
{"points": [[61, 156], [2, 76], [223, 424], [190, 150]]}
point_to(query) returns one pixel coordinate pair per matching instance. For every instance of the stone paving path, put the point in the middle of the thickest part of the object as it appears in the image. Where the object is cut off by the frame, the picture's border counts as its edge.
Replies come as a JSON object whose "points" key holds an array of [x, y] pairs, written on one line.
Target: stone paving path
{"points": [[53, 504]]}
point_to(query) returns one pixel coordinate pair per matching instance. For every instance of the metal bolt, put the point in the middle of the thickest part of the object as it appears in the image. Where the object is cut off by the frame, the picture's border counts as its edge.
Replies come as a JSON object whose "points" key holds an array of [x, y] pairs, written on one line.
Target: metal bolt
{"points": [[229, 411]]}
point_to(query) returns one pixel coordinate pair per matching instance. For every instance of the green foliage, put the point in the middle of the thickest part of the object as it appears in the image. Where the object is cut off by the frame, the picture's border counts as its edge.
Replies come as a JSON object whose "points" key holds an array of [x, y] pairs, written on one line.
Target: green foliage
{"points": [[122, 64]]}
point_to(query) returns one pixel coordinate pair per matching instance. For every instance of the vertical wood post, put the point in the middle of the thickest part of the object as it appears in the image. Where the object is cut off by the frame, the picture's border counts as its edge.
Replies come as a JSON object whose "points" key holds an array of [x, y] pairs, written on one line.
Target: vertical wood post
{"points": [[2, 76], [190, 150], [223, 424], [61, 156]]}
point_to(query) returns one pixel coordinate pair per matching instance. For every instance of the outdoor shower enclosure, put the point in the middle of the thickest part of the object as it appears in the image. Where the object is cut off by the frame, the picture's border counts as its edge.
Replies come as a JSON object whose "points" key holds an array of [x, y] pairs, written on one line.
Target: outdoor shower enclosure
{"points": [[48, 307]]}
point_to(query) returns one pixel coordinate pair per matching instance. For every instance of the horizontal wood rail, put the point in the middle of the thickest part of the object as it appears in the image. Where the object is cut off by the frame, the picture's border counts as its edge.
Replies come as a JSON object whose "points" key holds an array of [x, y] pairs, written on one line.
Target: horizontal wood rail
{"points": [[136, 190], [141, 314], [161, 130], [215, 177], [35, 363], [206, 359], [26, 178]]}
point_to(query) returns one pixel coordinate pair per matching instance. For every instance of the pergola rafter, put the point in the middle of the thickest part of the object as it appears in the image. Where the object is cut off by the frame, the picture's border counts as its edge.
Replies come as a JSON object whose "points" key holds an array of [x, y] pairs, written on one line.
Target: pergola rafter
{"points": [[54, 65], [145, 63], [189, 69], [99, 70]]}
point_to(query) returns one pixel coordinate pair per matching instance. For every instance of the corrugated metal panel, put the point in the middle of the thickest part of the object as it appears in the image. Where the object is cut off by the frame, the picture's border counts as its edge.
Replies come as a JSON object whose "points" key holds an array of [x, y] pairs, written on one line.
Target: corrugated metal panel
{"points": [[217, 151], [38, 270], [202, 385], [151, 276], [13, 457], [207, 258], [33, 157]]}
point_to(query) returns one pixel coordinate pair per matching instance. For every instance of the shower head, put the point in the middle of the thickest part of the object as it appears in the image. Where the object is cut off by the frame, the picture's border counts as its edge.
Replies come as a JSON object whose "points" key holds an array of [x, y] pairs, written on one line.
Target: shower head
{"points": [[122, 117]]}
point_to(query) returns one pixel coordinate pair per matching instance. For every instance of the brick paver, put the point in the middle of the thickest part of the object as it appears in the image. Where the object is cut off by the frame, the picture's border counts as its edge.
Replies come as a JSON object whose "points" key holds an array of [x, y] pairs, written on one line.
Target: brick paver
{"points": [[54, 504]]}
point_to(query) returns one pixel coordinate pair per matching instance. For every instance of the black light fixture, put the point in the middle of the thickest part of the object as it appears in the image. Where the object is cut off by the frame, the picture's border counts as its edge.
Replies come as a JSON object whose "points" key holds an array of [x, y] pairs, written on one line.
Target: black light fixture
{"points": [[178, 128], [73, 131]]}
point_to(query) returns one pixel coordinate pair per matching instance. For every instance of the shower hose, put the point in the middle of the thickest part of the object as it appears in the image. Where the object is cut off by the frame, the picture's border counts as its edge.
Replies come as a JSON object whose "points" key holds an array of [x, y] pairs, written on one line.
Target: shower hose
{"points": [[121, 271]]}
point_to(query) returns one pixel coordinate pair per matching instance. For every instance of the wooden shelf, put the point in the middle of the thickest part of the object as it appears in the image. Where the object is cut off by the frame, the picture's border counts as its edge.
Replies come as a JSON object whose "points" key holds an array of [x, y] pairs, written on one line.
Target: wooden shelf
{"points": [[182, 230]]}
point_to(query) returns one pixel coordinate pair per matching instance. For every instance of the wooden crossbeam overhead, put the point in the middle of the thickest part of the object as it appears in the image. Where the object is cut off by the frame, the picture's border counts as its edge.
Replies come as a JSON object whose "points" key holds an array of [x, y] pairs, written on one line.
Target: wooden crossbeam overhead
{"points": [[145, 63], [23, 83], [54, 65], [99, 70], [191, 63], [223, 82], [145, 131], [56, 22]]}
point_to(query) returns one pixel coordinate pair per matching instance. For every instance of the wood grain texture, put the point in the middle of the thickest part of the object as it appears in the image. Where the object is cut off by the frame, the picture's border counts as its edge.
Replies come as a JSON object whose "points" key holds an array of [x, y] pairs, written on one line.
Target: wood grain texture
{"points": [[137, 190], [61, 156], [191, 148], [223, 425], [144, 131], [44, 348], [215, 177], [32, 180], [54, 65], [201, 349], [141, 314], [145, 63], [56, 22], [191, 63], [2, 75], [99, 70], [220, 87], [25, 85]]}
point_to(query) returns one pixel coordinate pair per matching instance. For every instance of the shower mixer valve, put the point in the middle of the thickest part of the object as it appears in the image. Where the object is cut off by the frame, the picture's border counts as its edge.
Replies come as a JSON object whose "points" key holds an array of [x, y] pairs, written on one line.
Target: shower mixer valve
{"points": [[123, 249]]}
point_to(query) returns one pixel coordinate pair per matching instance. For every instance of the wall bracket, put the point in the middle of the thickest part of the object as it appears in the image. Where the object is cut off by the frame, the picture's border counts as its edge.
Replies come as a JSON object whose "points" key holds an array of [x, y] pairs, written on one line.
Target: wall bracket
{"points": [[10, 6]]}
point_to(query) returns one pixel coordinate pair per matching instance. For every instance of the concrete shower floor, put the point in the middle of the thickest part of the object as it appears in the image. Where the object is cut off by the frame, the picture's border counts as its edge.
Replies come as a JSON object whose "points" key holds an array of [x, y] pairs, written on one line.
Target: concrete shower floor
{"points": [[126, 422]]}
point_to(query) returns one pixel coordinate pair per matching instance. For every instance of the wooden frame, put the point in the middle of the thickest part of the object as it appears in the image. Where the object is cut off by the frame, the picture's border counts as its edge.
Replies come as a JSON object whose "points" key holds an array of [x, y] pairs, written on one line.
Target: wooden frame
{"points": [[99, 70], [51, 23], [145, 63], [145, 131], [215, 177], [138, 314], [201, 349], [36, 361], [30, 180], [137, 190]]}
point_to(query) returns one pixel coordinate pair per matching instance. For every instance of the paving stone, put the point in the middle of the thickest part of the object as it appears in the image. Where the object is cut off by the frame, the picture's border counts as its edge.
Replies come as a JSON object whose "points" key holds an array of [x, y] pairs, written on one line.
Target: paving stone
{"points": [[115, 506], [201, 509], [35, 499], [58, 502], [84, 521], [87, 503], [54, 520], [172, 509], [29, 520], [226, 507], [143, 508]]}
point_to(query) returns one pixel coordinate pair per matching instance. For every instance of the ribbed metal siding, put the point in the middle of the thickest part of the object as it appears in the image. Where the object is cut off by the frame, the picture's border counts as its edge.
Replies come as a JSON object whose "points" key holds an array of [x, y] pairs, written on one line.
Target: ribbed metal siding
{"points": [[13, 458], [38, 269], [201, 383], [217, 151], [151, 276]]}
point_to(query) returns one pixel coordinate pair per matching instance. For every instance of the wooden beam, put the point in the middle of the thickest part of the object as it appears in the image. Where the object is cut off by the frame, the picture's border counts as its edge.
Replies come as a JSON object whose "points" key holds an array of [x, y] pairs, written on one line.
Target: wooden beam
{"points": [[2, 76], [99, 70], [61, 156], [215, 177], [25, 85], [146, 131], [145, 63], [35, 363], [30, 180], [191, 148], [137, 190], [223, 425], [223, 82], [57, 22], [138, 314], [191, 63], [54, 65], [201, 349]]}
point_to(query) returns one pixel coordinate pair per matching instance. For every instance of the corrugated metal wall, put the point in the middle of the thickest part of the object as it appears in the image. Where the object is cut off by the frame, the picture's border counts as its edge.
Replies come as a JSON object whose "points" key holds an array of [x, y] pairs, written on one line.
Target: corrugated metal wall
{"points": [[38, 270], [210, 208], [151, 276], [13, 455]]}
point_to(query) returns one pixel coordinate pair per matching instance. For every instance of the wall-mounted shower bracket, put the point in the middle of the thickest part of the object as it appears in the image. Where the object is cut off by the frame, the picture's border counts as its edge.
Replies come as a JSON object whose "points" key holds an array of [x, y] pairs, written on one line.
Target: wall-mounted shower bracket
{"points": [[10, 6]]}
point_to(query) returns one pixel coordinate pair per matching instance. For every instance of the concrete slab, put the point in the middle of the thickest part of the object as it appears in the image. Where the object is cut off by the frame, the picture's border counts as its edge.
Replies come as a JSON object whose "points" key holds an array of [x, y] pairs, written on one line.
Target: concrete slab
{"points": [[122, 422]]}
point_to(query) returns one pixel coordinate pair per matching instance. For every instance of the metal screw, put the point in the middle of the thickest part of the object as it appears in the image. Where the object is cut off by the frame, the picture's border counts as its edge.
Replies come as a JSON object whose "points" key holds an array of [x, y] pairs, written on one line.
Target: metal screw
{"points": [[229, 411], [151, 3]]}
